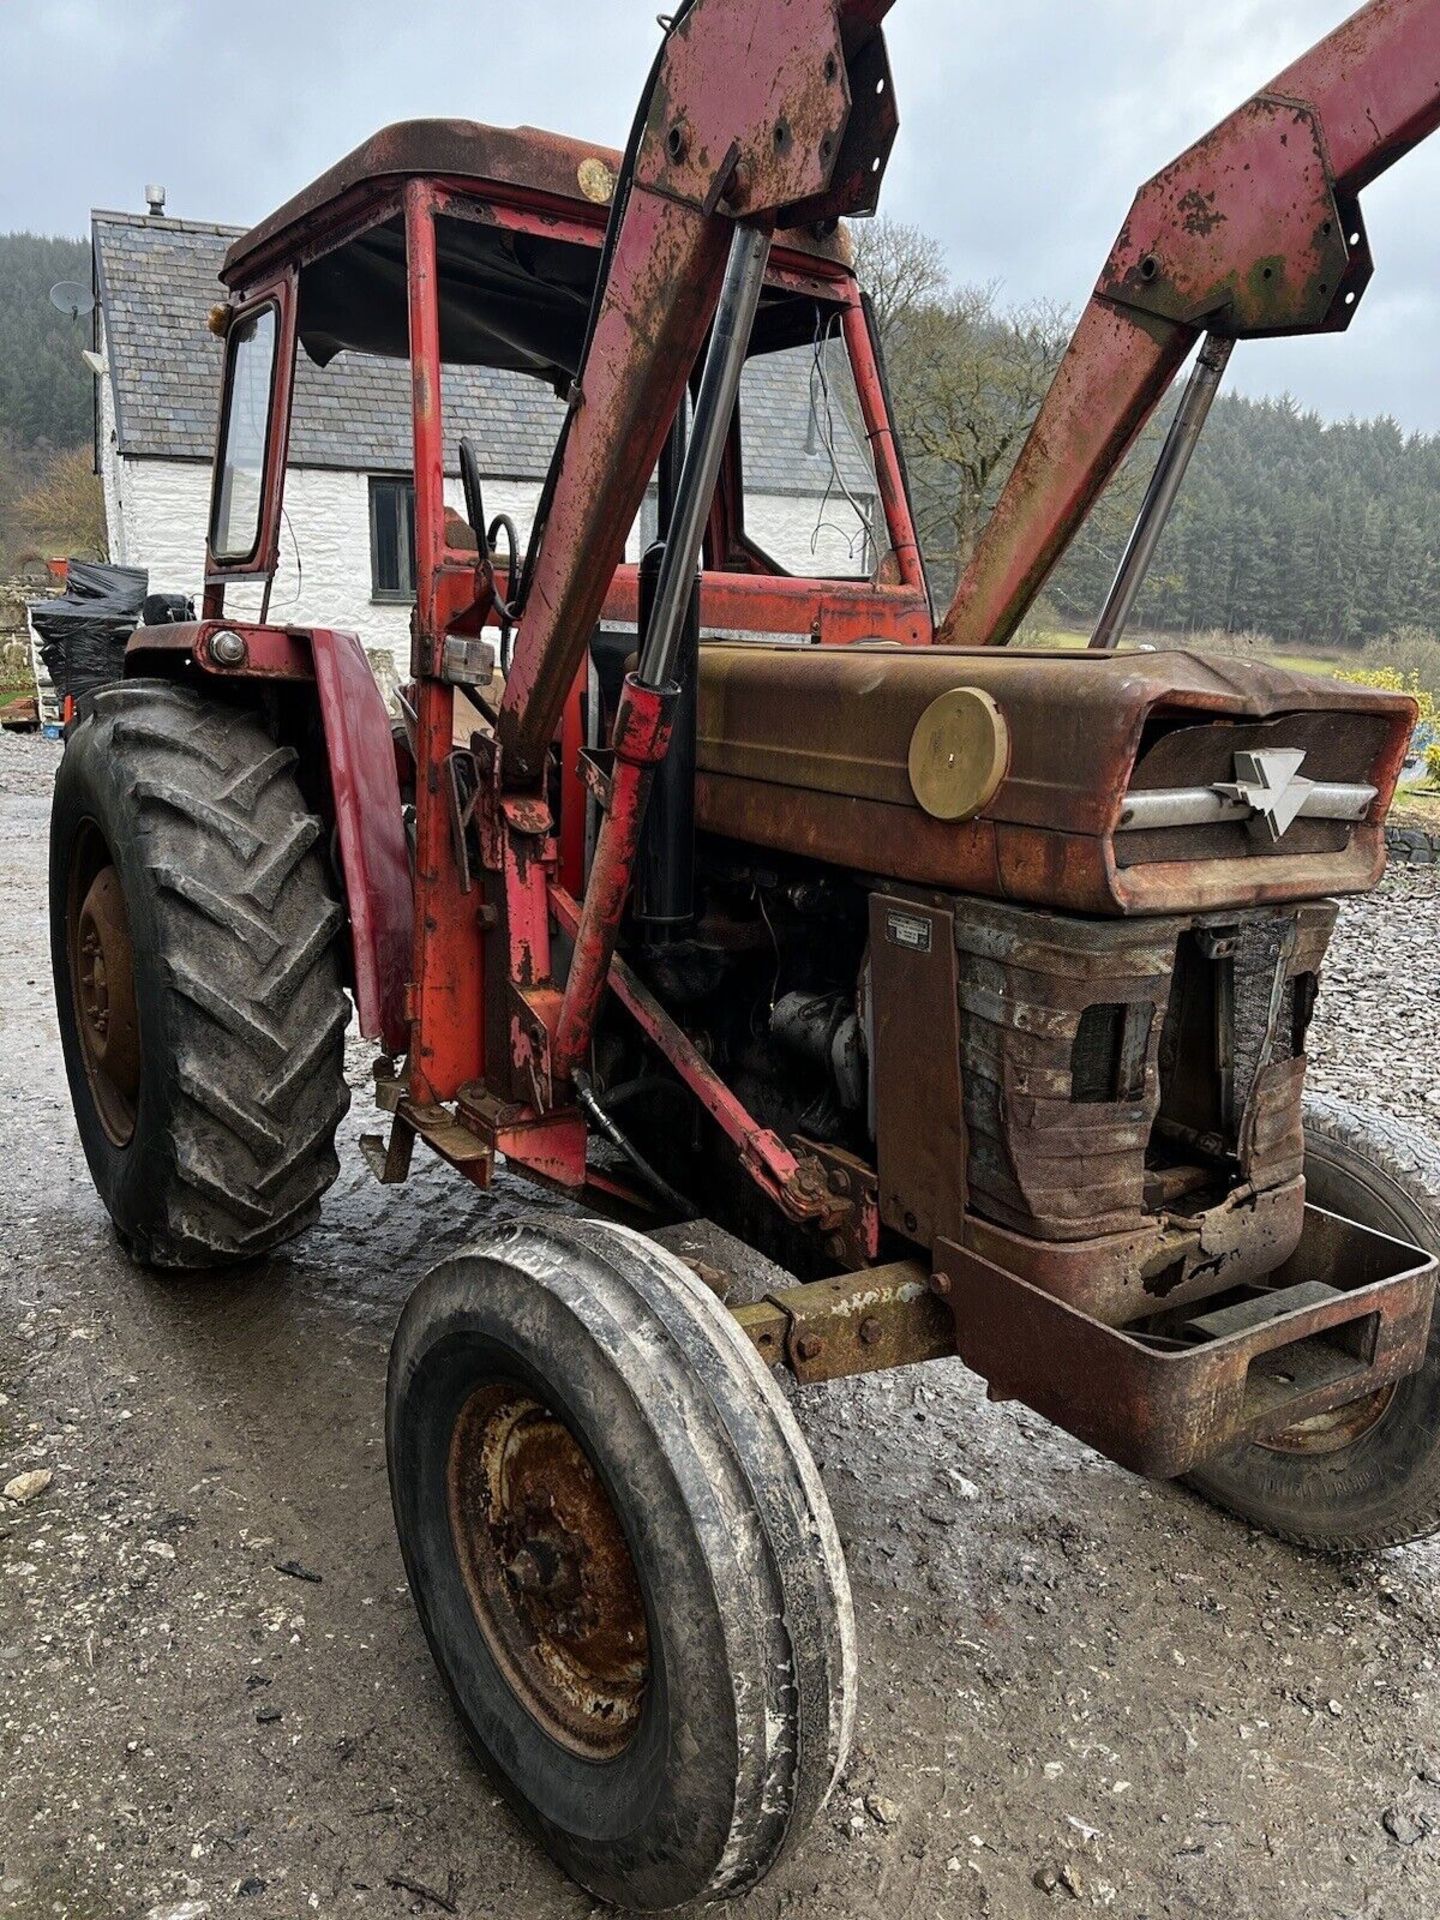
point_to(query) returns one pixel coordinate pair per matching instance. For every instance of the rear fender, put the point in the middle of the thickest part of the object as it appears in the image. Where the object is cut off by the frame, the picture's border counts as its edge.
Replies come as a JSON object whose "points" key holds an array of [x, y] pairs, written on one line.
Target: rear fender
{"points": [[362, 779]]}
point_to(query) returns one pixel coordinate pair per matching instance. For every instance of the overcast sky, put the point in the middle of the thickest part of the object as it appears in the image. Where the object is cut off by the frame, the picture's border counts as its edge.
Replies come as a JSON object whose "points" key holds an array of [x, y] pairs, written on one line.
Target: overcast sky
{"points": [[1026, 127]]}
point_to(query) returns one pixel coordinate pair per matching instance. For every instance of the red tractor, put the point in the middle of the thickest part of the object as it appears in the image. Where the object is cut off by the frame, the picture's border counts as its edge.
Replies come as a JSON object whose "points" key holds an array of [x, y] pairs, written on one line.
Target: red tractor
{"points": [[969, 984]]}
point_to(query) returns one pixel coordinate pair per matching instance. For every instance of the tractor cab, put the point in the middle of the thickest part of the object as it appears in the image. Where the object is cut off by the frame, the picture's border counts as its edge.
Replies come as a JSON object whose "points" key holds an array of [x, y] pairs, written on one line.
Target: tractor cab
{"points": [[473, 253]]}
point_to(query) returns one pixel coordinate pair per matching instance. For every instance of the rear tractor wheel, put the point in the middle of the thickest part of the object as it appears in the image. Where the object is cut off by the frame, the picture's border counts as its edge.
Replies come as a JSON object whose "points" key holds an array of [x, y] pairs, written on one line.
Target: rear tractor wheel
{"points": [[192, 933], [623, 1559], [1366, 1475]]}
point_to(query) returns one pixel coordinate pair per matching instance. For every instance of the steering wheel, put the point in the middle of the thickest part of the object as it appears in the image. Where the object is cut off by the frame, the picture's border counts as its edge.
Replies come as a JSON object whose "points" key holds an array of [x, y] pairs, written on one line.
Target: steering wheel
{"points": [[485, 538]]}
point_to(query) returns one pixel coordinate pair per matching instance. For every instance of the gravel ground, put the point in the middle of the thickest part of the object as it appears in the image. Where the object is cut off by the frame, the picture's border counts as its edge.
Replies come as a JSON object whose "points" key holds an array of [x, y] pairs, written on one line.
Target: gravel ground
{"points": [[1079, 1690]]}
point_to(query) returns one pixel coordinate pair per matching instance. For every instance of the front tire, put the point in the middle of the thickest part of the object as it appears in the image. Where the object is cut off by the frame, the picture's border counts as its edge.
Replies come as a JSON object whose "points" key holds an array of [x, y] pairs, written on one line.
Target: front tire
{"points": [[1368, 1475], [192, 931], [623, 1559]]}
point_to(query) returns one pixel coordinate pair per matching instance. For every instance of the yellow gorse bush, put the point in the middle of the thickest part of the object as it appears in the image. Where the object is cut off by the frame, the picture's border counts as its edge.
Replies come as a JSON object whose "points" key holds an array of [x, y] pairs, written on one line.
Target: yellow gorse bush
{"points": [[1392, 680]]}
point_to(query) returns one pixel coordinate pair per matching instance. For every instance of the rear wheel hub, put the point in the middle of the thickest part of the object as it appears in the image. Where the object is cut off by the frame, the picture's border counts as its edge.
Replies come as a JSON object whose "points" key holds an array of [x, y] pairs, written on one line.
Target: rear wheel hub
{"points": [[102, 974], [1331, 1432]]}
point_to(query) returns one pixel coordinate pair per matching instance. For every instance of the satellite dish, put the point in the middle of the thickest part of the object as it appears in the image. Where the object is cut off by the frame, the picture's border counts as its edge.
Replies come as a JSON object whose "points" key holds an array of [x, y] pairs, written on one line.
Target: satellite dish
{"points": [[72, 297]]}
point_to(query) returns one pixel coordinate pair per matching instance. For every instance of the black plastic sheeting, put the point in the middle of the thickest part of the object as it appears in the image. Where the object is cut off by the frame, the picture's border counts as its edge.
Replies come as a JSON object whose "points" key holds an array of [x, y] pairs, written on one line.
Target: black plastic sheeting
{"points": [[82, 634]]}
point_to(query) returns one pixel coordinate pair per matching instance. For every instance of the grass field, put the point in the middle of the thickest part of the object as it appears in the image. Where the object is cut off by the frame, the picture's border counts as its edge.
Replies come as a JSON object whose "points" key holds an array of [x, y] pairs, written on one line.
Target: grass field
{"points": [[1412, 808], [1071, 639], [1306, 662]]}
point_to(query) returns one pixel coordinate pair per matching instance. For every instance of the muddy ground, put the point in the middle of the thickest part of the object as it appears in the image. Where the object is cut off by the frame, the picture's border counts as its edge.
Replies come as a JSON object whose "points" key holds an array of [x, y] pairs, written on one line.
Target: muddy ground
{"points": [[1070, 1677]]}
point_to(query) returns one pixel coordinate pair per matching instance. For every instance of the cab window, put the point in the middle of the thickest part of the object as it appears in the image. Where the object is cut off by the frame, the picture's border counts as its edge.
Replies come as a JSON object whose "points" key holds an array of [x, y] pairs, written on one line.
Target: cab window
{"points": [[244, 435], [811, 497]]}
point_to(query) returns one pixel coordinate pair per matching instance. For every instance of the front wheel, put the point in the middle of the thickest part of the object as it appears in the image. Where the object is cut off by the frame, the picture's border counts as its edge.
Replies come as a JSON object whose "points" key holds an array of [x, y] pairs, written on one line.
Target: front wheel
{"points": [[1365, 1475], [622, 1557]]}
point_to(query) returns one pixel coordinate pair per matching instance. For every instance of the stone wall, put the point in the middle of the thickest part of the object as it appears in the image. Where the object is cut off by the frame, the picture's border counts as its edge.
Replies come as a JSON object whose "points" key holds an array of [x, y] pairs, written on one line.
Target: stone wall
{"points": [[1412, 847]]}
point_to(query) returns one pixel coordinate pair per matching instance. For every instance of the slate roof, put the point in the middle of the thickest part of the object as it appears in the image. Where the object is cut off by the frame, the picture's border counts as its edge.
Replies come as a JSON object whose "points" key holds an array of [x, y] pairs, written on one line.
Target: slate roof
{"points": [[157, 279]]}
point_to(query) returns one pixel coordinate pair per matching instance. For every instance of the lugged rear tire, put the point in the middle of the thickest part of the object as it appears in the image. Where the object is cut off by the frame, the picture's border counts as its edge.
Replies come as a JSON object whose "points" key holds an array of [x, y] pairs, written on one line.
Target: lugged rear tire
{"points": [[213, 1139]]}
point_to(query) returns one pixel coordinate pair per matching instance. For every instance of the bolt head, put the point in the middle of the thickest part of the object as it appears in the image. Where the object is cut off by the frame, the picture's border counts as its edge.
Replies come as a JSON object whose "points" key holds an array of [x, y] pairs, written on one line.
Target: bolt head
{"points": [[809, 1346], [228, 649], [942, 1284]]}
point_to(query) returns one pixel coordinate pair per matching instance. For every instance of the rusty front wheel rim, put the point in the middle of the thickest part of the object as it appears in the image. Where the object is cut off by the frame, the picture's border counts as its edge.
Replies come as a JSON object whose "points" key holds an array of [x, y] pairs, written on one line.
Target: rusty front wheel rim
{"points": [[101, 960], [548, 1571]]}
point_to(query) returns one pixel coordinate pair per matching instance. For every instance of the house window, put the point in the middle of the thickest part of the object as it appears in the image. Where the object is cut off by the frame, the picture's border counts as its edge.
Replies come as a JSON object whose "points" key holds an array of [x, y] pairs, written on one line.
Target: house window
{"points": [[392, 540], [810, 487]]}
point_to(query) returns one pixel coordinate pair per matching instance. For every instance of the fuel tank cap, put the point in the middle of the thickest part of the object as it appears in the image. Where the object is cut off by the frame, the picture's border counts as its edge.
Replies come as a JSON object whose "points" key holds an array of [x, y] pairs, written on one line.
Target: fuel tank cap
{"points": [[959, 753]]}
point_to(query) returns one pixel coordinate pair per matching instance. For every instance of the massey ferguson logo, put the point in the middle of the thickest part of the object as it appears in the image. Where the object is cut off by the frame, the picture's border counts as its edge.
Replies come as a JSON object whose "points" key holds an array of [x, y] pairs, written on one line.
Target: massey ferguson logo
{"points": [[1270, 784]]}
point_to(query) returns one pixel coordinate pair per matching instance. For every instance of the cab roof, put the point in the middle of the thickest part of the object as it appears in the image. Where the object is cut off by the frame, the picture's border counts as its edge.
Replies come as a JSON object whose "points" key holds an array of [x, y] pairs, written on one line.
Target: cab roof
{"points": [[508, 299]]}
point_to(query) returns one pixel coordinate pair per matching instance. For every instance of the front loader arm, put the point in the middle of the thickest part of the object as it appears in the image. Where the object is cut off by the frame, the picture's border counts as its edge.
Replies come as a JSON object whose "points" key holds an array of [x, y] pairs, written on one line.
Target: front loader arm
{"points": [[1254, 231], [770, 114]]}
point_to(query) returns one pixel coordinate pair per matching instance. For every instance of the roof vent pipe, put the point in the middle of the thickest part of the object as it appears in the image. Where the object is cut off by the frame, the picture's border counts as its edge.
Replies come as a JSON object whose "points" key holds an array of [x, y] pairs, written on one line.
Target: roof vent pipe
{"points": [[156, 198]]}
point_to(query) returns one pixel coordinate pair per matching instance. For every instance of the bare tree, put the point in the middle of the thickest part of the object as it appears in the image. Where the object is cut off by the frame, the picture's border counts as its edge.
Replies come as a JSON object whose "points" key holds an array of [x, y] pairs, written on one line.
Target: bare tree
{"points": [[64, 512], [900, 268], [968, 378]]}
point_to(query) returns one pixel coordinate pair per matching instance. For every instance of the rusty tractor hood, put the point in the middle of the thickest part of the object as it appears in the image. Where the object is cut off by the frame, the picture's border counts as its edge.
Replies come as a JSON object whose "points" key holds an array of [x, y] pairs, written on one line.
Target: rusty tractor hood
{"points": [[806, 749]]}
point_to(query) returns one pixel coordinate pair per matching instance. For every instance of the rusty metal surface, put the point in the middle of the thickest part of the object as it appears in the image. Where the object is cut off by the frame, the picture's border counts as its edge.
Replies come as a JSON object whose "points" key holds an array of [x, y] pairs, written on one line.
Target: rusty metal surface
{"points": [[859, 1323], [853, 1234], [369, 831], [1056, 1161], [1043, 1162], [641, 737], [668, 264], [833, 612], [271, 653], [389, 1160], [806, 750], [101, 965], [548, 1571], [465, 154], [722, 140], [448, 968], [870, 129], [1117, 369], [1242, 232], [915, 1065], [1255, 230], [755, 133], [1161, 1404], [450, 1137], [1124, 1277], [1331, 1432]]}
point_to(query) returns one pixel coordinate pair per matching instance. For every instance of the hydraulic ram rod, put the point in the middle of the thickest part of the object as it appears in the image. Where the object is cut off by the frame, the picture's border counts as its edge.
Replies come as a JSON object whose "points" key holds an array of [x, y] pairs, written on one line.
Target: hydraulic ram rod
{"points": [[1164, 488], [714, 410], [642, 725]]}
